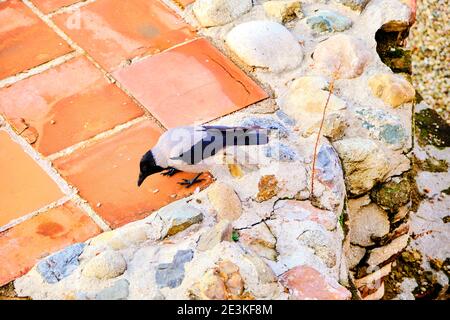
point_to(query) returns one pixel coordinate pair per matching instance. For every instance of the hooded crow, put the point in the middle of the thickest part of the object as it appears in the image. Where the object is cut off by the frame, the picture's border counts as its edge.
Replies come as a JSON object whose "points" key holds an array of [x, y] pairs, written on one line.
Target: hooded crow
{"points": [[192, 149]]}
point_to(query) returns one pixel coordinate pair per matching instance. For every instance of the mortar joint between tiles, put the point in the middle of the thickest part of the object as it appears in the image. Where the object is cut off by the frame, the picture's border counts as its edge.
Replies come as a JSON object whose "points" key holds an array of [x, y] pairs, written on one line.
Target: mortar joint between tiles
{"points": [[85, 206], [38, 69], [69, 8], [103, 135]]}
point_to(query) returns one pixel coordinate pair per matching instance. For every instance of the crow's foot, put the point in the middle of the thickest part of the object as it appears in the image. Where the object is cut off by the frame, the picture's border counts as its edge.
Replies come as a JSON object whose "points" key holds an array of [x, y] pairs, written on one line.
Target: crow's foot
{"points": [[170, 172], [190, 182]]}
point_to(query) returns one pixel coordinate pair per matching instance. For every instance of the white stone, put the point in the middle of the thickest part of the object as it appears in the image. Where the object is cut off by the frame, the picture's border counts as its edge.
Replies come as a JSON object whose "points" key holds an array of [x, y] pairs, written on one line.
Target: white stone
{"points": [[366, 220], [381, 254], [284, 10], [306, 99], [354, 254], [225, 201], [392, 89], [365, 163], [341, 56], [265, 44], [212, 13], [108, 264]]}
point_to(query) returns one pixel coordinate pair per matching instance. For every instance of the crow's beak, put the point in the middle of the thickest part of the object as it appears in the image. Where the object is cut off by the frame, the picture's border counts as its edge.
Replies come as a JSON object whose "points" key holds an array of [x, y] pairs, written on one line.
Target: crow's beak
{"points": [[141, 179]]}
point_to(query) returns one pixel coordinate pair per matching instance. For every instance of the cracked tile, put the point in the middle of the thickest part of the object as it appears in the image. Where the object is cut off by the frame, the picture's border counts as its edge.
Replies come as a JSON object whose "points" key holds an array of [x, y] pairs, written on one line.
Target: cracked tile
{"points": [[106, 174], [24, 186], [192, 83], [65, 105], [24, 244], [113, 31], [25, 40]]}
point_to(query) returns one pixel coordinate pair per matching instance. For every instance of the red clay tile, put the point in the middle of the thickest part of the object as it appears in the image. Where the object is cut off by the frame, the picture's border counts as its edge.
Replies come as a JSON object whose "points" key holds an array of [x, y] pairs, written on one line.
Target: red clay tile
{"points": [[25, 40], [48, 6], [24, 186], [192, 83], [24, 244], [65, 105], [106, 175], [113, 31]]}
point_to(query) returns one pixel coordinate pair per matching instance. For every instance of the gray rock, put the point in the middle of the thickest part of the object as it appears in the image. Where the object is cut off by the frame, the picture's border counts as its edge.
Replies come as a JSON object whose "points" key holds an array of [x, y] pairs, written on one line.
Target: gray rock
{"points": [[172, 274], [382, 126], [285, 118], [178, 216], [61, 264], [280, 152], [325, 21], [267, 123], [329, 170], [118, 291]]}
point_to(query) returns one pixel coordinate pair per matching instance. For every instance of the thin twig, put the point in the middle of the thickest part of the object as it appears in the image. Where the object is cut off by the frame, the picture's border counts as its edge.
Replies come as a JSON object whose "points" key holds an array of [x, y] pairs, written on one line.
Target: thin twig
{"points": [[331, 89]]}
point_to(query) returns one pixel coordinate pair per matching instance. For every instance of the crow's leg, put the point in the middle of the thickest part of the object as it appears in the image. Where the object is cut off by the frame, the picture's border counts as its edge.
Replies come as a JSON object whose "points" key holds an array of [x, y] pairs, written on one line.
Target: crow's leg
{"points": [[170, 172], [189, 183]]}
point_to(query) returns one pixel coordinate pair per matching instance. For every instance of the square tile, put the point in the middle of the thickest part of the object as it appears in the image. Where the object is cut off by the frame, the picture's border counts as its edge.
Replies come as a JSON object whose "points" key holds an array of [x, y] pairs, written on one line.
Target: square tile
{"points": [[47, 6], [106, 175], [113, 31], [25, 40], [26, 243], [190, 84], [66, 105], [24, 186]]}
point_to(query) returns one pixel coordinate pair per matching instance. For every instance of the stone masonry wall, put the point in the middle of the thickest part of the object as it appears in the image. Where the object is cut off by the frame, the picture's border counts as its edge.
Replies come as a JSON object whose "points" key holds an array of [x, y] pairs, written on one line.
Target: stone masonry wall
{"points": [[259, 232]]}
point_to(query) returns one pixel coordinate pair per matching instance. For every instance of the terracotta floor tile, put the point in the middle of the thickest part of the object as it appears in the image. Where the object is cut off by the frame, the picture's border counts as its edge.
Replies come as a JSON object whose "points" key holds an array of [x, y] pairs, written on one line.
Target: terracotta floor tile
{"points": [[66, 105], [24, 186], [106, 175], [192, 83], [113, 31], [23, 245], [25, 40], [48, 6]]}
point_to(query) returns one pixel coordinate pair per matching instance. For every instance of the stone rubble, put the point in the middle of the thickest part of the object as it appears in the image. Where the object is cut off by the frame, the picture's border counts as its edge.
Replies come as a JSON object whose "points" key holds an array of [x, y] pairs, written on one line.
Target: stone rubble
{"points": [[258, 232]]}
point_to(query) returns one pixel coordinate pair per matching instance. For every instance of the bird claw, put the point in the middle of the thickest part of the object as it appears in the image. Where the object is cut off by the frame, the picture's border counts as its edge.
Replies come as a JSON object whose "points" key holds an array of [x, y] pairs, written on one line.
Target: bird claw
{"points": [[190, 182], [170, 172]]}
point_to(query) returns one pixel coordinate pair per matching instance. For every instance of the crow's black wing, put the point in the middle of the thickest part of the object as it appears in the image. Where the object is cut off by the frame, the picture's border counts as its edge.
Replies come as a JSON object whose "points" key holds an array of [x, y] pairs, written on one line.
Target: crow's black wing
{"points": [[218, 137]]}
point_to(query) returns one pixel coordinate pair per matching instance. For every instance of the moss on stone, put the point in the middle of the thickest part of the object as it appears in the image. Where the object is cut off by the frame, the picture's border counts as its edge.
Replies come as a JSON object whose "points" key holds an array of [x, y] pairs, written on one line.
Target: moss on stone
{"points": [[431, 129], [392, 195], [432, 165]]}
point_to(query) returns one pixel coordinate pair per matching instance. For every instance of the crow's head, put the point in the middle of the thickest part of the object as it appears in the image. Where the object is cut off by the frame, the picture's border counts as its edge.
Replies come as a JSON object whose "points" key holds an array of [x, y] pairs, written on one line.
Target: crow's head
{"points": [[148, 167]]}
